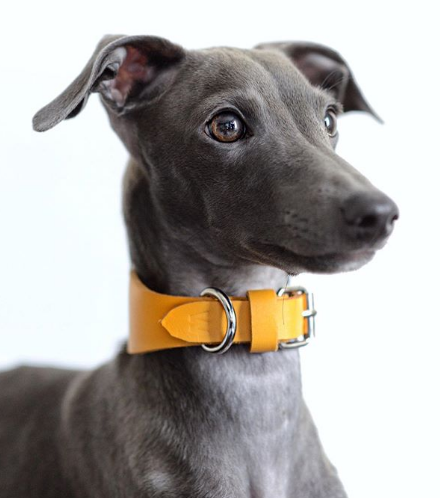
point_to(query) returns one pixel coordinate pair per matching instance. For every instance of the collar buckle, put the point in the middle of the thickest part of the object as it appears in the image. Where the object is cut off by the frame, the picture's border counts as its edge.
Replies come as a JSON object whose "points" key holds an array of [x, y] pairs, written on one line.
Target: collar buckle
{"points": [[308, 314]]}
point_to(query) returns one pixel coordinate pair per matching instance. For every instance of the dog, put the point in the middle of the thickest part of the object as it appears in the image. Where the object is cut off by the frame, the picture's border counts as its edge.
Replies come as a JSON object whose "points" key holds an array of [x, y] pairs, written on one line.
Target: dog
{"points": [[233, 182]]}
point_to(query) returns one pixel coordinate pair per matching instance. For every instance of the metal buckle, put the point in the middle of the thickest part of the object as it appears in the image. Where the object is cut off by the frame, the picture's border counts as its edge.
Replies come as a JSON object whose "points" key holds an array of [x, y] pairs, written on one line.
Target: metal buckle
{"points": [[231, 329], [308, 314]]}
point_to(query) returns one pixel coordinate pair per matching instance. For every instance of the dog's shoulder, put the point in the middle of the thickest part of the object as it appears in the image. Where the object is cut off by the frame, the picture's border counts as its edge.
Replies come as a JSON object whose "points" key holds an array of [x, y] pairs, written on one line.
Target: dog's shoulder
{"points": [[31, 388], [30, 414]]}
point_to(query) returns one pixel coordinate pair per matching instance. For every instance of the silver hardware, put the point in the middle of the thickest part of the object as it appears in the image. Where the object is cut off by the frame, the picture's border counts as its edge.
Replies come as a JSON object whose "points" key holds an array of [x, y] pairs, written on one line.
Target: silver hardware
{"points": [[308, 314], [231, 329]]}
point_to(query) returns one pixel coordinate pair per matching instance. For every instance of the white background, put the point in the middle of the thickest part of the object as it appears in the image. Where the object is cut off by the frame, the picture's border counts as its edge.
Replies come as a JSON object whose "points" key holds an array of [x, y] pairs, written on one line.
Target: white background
{"points": [[372, 377]]}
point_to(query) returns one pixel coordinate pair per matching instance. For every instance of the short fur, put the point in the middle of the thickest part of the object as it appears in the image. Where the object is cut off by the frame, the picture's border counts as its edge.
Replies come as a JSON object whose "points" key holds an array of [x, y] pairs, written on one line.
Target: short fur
{"points": [[239, 216]]}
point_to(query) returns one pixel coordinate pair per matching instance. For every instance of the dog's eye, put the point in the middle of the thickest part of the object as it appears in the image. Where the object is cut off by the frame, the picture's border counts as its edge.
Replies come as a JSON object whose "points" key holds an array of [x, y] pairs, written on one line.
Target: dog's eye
{"points": [[331, 123], [226, 127]]}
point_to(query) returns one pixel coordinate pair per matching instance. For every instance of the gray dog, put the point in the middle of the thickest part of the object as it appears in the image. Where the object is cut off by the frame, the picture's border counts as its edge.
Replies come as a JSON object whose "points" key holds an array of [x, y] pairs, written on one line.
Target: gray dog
{"points": [[233, 182]]}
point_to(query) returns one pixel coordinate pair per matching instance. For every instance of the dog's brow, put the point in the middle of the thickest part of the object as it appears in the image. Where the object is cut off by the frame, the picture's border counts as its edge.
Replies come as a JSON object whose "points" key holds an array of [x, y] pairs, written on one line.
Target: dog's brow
{"points": [[327, 101], [324, 99], [248, 104]]}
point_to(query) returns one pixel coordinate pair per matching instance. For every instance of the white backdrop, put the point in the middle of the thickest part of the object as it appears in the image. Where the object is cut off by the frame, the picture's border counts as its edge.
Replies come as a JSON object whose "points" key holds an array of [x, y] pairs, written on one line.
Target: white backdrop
{"points": [[371, 378]]}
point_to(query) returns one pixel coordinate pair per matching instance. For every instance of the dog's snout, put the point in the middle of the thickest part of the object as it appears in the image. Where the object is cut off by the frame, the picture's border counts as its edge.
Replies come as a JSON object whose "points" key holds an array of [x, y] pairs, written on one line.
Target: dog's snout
{"points": [[369, 215]]}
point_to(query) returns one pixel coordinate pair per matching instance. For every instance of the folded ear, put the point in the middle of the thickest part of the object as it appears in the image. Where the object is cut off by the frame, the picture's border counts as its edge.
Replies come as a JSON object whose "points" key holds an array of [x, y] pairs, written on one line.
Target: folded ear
{"points": [[126, 70], [325, 68]]}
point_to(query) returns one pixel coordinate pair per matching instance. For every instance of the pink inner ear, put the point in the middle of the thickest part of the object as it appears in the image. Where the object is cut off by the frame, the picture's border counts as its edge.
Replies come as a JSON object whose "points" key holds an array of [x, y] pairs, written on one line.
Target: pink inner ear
{"points": [[133, 70]]}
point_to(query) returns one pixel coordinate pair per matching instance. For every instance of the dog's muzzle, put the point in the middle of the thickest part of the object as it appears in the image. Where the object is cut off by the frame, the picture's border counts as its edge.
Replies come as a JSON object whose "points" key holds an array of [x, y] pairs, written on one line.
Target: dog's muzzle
{"points": [[267, 320]]}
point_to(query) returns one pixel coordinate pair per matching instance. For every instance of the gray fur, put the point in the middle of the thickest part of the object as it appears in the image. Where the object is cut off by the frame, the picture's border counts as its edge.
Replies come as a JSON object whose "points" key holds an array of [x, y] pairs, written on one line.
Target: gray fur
{"points": [[238, 216]]}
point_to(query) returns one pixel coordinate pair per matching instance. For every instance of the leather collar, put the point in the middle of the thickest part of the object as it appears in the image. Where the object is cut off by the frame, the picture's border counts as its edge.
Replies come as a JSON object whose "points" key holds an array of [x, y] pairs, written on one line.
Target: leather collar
{"points": [[264, 319]]}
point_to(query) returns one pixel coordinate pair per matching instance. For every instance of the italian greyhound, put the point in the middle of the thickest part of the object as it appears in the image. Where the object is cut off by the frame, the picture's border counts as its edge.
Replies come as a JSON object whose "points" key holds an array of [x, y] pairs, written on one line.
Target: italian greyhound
{"points": [[232, 182]]}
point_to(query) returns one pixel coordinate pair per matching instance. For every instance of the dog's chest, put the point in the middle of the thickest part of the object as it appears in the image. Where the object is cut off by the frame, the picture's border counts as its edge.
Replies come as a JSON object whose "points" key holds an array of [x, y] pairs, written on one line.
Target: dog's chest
{"points": [[252, 444], [238, 429], [265, 442], [265, 453]]}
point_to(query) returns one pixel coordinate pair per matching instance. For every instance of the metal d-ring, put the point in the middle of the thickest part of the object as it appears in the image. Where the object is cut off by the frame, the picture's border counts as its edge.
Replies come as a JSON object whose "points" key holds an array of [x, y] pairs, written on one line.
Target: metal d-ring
{"points": [[231, 329], [308, 314]]}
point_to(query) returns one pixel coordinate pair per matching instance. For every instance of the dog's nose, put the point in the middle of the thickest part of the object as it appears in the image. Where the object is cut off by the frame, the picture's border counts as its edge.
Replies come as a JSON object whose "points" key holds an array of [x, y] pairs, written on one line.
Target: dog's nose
{"points": [[369, 215]]}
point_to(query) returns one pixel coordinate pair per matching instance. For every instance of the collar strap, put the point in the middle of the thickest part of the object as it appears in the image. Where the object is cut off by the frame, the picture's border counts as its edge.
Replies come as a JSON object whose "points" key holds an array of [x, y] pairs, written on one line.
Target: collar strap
{"points": [[263, 318]]}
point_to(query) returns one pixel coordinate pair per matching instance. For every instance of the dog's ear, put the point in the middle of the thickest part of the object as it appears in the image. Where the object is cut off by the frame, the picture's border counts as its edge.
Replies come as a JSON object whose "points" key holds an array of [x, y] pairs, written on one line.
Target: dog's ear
{"points": [[325, 68], [127, 71]]}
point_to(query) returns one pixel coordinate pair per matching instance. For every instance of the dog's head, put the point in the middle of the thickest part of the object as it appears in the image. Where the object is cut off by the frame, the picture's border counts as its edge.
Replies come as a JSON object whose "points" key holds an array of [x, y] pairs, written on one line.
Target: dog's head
{"points": [[236, 148]]}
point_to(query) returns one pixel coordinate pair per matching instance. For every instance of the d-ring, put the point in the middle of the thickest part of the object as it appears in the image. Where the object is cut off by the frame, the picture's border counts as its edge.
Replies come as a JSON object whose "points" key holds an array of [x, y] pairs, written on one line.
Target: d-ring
{"points": [[231, 329]]}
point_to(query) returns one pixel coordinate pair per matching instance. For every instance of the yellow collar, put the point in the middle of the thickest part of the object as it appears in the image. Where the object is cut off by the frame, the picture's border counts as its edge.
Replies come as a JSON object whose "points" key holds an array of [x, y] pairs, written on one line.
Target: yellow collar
{"points": [[263, 318]]}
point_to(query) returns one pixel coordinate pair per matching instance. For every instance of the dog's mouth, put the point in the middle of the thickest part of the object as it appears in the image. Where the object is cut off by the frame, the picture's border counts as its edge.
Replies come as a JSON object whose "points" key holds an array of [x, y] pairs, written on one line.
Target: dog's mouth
{"points": [[292, 262]]}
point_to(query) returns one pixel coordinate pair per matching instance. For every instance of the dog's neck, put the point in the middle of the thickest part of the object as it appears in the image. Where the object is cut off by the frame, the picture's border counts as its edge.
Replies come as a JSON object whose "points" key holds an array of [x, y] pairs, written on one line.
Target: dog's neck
{"points": [[168, 262], [268, 384]]}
